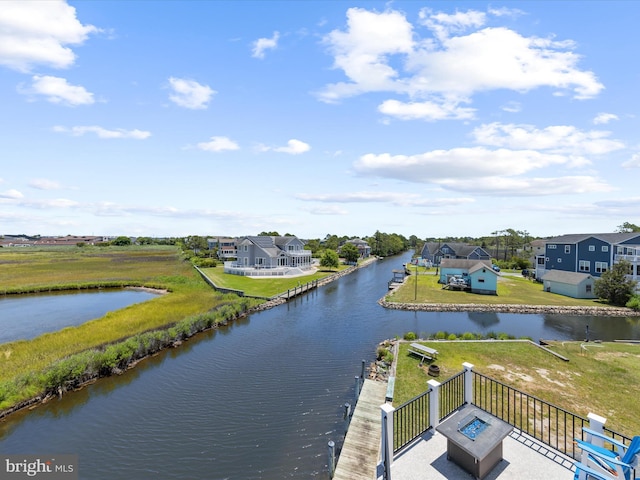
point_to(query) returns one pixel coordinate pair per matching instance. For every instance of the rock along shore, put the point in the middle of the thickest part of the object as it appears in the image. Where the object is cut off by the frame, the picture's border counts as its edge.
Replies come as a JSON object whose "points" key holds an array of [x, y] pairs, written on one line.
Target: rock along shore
{"points": [[507, 308]]}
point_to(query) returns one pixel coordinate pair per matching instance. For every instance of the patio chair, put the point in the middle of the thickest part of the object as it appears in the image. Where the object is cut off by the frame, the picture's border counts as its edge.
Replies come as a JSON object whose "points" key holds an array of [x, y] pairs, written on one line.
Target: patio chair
{"points": [[602, 463]]}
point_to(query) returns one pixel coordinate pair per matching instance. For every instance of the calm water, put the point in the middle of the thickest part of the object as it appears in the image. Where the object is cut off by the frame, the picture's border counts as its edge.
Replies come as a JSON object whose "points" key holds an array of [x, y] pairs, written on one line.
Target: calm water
{"points": [[259, 399], [27, 316]]}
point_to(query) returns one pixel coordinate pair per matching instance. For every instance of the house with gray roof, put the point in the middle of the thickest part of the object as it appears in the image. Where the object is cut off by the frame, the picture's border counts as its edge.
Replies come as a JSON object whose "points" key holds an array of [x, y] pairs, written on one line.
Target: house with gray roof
{"points": [[477, 274], [363, 247], [570, 284], [591, 253], [434, 252], [268, 256]]}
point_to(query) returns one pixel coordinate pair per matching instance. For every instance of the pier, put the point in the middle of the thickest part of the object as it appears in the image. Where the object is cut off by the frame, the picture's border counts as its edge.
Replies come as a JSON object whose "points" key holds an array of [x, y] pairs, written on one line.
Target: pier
{"points": [[358, 459]]}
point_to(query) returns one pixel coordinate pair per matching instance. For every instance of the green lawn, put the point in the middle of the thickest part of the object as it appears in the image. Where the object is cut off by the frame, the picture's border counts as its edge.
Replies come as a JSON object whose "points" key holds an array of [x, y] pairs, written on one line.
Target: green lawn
{"points": [[263, 286], [599, 378], [514, 290]]}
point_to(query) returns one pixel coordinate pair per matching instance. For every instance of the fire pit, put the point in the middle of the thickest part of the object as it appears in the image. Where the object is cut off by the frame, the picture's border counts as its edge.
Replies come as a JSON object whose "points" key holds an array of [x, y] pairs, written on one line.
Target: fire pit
{"points": [[434, 370], [474, 439]]}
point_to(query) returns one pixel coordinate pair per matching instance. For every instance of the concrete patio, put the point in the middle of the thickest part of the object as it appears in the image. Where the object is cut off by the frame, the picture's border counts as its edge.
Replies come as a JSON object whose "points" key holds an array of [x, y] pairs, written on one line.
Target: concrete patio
{"points": [[523, 458]]}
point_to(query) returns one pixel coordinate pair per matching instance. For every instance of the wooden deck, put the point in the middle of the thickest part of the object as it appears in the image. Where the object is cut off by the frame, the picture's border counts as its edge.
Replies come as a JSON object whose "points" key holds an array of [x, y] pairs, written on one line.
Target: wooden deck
{"points": [[361, 451]]}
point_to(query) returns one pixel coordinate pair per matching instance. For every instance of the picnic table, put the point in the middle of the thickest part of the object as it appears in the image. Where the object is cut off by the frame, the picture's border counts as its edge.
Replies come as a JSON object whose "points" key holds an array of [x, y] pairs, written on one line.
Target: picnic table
{"points": [[427, 353]]}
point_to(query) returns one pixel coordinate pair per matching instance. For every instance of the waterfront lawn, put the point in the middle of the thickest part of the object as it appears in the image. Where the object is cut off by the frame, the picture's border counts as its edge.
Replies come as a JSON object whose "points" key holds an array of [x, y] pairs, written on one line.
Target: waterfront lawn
{"points": [[263, 286], [601, 378], [513, 290]]}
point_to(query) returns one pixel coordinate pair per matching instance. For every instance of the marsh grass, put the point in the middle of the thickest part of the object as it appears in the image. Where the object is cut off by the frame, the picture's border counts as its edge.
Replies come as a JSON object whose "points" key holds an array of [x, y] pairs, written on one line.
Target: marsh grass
{"points": [[600, 378], [58, 359]]}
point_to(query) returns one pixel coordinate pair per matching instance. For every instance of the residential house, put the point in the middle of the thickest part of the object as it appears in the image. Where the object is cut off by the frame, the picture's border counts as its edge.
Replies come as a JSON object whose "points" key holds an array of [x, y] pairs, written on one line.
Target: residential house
{"points": [[226, 247], [363, 247], [591, 253], [257, 253], [477, 274], [434, 252], [570, 284]]}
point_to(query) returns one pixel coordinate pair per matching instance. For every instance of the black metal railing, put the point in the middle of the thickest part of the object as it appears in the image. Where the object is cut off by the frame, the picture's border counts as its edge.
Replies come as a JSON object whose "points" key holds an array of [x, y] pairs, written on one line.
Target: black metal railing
{"points": [[617, 436], [539, 419], [451, 395], [410, 420]]}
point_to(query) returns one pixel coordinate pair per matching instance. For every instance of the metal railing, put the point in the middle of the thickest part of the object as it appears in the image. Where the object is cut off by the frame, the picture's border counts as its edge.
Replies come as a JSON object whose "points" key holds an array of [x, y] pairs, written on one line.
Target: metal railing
{"points": [[539, 419], [451, 395], [410, 420]]}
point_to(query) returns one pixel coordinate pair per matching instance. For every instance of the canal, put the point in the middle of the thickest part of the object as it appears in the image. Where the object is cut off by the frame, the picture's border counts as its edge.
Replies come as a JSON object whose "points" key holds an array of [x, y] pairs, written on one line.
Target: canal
{"points": [[259, 399]]}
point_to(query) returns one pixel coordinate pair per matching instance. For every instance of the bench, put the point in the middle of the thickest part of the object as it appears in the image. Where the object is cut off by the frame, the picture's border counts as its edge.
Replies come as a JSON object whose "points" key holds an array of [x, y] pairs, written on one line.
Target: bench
{"points": [[391, 382], [426, 353]]}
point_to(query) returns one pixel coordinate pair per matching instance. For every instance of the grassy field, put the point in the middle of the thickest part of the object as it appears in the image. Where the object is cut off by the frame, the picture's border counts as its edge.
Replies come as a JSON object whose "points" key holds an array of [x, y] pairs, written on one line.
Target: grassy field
{"points": [[515, 290], [599, 378], [158, 267], [263, 286]]}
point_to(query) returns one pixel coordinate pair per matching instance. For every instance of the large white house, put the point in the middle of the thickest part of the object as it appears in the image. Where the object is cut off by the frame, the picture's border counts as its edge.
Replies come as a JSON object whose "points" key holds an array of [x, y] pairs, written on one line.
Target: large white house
{"points": [[268, 256]]}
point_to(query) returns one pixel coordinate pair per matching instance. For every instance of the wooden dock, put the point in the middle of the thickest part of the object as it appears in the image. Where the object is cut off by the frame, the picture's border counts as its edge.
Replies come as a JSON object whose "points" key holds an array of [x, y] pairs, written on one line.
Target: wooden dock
{"points": [[360, 453]]}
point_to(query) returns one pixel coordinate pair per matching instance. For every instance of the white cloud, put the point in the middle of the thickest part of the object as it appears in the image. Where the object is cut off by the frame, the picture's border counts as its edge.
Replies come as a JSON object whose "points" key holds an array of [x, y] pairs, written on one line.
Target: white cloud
{"points": [[436, 165], [396, 198], [263, 44], [190, 94], [512, 107], [58, 90], [52, 203], [634, 162], [11, 194], [294, 147], [44, 184], [362, 51], [428, 110], [218, 144], [526, 187], [327, 210], [101, 132], [38, 33], [555, 138], [381, 52], [603, 118]]}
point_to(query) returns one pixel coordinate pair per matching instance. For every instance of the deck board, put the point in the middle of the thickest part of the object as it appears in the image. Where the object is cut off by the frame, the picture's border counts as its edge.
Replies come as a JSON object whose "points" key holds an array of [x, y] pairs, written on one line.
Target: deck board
{"points": [[361, 450]]}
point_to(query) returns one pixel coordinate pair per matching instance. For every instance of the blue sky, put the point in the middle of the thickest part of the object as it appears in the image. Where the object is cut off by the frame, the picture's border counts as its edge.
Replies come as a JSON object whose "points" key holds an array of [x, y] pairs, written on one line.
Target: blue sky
{"points": [[160, 118]]}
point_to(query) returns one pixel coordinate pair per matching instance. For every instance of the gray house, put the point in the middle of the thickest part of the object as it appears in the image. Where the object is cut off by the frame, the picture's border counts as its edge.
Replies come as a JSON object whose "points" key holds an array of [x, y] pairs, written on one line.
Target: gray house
{"points": [[434, 252], [264, 255], [570, 284]]}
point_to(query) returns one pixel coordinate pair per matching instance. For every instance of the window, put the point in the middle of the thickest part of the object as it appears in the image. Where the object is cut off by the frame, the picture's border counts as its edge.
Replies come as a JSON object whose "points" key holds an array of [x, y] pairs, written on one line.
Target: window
{"points": [[246, 248], [540, 260], [552, 247], [605, 248], [601, 267], [481, 280], [584, 266], [592, 248], [588, 288], [559, 260], [567, 249]]}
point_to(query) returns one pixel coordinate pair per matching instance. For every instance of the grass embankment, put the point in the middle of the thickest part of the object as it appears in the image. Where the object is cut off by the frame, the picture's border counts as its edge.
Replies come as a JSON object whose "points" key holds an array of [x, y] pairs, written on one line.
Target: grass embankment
{"points": [[599, 378], [29, 367], [512, 290], [263, 286]]}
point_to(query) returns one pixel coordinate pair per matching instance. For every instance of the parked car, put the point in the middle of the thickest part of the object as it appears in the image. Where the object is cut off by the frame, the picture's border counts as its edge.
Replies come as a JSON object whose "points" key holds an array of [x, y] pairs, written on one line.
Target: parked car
{"points": [[526, 273], [495, 268]]}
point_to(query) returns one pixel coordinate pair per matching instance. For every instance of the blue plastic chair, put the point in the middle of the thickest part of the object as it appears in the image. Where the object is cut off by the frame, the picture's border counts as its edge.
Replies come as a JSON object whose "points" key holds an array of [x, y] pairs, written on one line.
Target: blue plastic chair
{"points": [[604, 464]]}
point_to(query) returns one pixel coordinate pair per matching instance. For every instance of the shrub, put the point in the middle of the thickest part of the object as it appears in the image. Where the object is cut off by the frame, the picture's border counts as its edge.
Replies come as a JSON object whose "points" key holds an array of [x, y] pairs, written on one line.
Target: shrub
{"points": [[468, 336], [410, 336], [441, 335], [380, 352], [388, 357], [452, 336], [634, 302]]}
